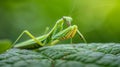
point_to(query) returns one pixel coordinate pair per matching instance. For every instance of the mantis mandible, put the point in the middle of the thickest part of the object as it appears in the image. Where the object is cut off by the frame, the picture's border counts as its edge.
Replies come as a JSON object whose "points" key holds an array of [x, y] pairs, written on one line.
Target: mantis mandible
{"points": [[56, 34]]}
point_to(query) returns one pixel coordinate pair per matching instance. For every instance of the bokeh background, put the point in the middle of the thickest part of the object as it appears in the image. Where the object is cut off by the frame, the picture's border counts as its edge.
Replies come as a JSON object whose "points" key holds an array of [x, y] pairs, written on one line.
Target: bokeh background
{"points": [[98, 20]]}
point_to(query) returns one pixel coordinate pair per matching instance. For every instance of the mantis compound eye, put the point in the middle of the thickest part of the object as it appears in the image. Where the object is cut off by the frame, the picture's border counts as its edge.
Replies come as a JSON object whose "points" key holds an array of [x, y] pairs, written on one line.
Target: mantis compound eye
{"points": [[68, 20]]}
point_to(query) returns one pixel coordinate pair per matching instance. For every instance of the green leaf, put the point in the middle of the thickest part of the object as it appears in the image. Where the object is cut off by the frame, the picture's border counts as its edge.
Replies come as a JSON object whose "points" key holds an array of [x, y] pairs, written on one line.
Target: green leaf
{"points": [[76, 55], [4, 45]]}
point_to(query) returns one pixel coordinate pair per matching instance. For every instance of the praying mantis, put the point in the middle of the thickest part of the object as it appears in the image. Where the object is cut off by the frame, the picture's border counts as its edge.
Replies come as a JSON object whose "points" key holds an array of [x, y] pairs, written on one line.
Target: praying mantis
{"points": [[56, 34]]}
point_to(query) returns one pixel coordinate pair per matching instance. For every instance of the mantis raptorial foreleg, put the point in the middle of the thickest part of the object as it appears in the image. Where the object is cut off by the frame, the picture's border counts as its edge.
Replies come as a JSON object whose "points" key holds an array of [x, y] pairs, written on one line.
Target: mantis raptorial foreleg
{"points": [[68, 22], [30, 35], [81, 36]]}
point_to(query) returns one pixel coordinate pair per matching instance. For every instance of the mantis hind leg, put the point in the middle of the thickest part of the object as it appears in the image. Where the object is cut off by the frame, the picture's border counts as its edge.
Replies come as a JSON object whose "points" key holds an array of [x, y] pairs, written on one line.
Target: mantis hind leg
{"points": [[30, 35]]}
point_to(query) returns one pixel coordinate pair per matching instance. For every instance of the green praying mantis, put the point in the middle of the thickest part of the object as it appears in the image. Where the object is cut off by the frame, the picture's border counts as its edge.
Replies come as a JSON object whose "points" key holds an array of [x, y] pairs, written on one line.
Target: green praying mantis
{"points": [[56, 34]]}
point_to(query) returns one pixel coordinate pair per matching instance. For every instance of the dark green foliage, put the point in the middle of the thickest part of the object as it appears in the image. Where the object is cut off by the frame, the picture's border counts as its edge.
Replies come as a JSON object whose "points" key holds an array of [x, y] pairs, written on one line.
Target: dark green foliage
{"points": [[76, 55]]}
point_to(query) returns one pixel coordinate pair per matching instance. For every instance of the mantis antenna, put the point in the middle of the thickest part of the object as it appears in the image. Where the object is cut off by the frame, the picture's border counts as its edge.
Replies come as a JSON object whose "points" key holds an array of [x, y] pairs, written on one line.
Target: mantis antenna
{"points": [[69, 23]]}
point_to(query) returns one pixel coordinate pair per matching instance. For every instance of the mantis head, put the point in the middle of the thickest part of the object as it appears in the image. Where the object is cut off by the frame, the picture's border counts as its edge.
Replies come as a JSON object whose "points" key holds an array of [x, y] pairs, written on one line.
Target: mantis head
{"points": [[68, 20]]}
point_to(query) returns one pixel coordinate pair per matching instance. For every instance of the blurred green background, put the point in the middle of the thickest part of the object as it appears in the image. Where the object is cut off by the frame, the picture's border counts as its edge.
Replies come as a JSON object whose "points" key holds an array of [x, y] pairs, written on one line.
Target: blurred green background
{"points": [[98, 20]]}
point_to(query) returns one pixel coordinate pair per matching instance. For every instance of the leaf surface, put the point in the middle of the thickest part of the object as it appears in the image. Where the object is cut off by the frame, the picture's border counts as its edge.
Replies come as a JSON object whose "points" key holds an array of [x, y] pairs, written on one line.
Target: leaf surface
{"points": [[66, 55]]}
